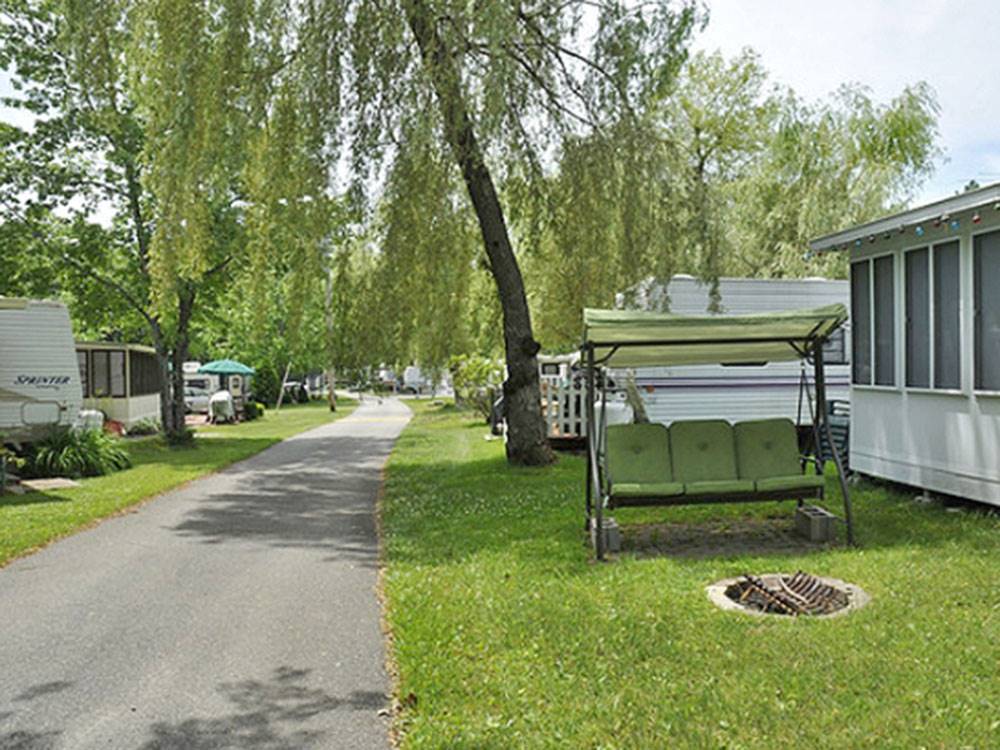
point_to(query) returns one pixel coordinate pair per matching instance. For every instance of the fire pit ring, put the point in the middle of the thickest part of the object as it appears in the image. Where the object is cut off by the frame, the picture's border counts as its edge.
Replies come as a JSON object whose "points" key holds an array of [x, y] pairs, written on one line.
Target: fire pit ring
{"points": [[787, 595]]}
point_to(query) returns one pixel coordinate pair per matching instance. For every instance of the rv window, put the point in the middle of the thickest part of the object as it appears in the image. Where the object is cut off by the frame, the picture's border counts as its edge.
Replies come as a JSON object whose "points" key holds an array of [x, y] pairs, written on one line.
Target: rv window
{"points": [[81, 363], [947, 331], [885, 321], [918, 329], [987, 311], [100, 371], [835, 348], [861, 348]]}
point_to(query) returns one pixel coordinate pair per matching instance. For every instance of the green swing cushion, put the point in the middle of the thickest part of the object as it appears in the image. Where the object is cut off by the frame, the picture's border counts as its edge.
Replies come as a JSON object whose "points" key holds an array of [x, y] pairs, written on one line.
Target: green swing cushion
{"points": [[794, 482], [639, 461], [703, 451], [767, 448]]}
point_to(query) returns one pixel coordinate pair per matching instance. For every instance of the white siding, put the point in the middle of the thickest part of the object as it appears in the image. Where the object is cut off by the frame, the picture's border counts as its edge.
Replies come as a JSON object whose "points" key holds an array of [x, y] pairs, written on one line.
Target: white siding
{"points": [[36, 346], [739, 393], [944, 441]]}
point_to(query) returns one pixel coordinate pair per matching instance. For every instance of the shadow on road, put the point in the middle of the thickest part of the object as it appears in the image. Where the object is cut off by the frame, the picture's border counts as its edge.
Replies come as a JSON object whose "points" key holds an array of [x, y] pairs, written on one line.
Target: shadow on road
{"points": [[267, 715], [322, 501]]}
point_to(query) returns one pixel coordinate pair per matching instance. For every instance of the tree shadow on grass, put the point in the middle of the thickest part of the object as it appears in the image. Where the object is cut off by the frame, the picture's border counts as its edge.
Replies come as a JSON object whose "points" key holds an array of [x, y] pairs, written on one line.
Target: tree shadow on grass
{"points": [[32, 498], [324, 499], [280, 713], [442, 512]]}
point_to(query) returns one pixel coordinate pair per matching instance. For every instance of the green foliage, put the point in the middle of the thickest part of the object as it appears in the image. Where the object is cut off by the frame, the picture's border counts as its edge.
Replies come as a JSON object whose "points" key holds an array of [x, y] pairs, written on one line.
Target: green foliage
{"points": [[76, 453], [476, 381], [253, 410], [149, 426]]}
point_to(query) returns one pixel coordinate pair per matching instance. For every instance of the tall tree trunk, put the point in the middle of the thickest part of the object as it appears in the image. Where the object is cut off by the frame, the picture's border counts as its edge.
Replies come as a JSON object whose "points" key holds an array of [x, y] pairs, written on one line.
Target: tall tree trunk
{"points": [[526, 440], [178, 356], [163, 360], [331, 374]]}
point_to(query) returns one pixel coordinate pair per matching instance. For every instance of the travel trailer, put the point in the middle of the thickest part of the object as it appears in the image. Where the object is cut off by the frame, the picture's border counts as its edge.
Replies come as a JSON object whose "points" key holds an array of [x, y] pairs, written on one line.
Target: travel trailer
{"points": [[201, 380], [925, 390], [121, 380], [39, 381], [741, 392]]}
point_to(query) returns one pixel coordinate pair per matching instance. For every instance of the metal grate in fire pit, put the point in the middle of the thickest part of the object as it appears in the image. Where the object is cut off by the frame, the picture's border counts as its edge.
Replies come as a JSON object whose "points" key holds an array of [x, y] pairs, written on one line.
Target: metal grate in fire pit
{"points": [[790, 595]]}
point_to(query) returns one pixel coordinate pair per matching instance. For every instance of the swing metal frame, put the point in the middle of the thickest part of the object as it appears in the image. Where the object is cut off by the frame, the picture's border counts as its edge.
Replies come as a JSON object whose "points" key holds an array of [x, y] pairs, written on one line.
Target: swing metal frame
{"points": [[807, 347]]}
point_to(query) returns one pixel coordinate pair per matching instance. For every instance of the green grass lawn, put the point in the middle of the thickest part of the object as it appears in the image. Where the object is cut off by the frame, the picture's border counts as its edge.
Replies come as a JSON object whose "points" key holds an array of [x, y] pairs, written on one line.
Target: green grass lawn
{"points": [[32, 520], [506, 634]]}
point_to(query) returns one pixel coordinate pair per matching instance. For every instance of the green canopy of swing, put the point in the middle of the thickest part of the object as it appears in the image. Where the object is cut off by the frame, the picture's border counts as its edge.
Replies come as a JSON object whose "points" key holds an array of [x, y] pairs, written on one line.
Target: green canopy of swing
{"points": [[630, 338]]}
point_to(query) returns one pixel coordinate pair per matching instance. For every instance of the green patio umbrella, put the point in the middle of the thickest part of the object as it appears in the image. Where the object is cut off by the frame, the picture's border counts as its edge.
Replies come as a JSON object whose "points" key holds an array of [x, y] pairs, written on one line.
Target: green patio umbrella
{"points": [[226, 367]]}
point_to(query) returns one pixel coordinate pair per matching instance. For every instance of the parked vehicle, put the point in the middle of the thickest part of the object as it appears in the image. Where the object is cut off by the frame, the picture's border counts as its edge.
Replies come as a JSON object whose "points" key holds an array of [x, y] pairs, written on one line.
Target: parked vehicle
{"points": [[206, 381], [39, 380], [414, 381], [766, 390], [196, 400]]}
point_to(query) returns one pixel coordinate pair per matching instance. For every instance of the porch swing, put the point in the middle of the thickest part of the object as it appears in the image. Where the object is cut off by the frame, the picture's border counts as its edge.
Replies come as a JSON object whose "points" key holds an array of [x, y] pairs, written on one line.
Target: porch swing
{"points": [[703, 461]]}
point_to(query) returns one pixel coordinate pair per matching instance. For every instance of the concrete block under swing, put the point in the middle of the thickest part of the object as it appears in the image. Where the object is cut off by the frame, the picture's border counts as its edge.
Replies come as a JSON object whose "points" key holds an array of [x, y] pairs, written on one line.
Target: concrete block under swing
{"points": [[814, 523]]}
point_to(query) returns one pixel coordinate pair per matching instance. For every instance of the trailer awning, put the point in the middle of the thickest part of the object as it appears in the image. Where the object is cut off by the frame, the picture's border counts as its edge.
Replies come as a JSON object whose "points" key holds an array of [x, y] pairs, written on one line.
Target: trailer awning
{"points": [[627, 338]]}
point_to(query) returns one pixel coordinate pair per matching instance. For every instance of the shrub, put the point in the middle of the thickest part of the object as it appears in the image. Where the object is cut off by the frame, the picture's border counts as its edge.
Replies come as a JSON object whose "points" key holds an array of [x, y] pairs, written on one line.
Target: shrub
{"points": [[150, 426], [253, 410], [476, 381], [76, 453], [185, 436]]}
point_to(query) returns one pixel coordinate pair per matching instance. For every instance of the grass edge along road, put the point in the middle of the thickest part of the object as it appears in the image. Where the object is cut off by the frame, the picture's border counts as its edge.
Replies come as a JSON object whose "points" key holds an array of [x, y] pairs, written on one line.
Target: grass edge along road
{"points": [[35, 519], [505, 634]]}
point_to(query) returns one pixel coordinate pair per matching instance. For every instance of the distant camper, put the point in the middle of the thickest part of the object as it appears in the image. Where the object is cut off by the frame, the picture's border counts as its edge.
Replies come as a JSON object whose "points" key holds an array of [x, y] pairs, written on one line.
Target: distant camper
{"points": [[39, 381], [121, 380], [740, 393]]}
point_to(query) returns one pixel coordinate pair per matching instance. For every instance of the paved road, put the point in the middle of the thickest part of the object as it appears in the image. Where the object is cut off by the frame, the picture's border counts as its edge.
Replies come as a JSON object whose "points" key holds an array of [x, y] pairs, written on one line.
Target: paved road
{"points": [[236, 612]]}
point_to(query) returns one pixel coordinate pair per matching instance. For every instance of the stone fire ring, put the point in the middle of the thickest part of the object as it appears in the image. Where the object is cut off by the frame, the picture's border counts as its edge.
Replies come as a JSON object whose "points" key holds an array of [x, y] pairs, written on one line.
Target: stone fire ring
{"points": [[857, 597]]}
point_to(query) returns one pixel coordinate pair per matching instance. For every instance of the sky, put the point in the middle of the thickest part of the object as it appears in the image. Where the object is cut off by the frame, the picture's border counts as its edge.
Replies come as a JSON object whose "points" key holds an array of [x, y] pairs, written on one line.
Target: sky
{"points": [[816, 45]]}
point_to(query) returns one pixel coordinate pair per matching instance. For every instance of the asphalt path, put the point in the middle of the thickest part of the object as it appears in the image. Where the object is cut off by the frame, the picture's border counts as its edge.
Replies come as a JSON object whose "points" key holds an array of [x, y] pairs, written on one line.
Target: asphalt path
{"points": [[238, 611]]}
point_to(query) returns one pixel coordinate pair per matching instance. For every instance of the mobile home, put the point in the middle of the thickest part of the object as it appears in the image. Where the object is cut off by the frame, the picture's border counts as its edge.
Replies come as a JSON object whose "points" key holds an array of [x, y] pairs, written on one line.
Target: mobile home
{"points": [[121, 380], [741, 392], [925, 306], [39, 382]]}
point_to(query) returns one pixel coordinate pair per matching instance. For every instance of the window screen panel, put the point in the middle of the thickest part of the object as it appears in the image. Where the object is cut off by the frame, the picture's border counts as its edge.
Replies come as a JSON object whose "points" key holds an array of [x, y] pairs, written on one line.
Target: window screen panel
{"points": [[101, 372], [947, 327], [117, 366], [81, 363], [918, 329], [885, 319], [987, 302], [144, 373], [861, 345]]}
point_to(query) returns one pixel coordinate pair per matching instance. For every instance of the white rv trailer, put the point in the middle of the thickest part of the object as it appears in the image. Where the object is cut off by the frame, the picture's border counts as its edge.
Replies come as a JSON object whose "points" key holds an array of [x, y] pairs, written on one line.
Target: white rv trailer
{"points": [[204, 380], [39, 382], [739, 393], [925, 302], [121, 380]]}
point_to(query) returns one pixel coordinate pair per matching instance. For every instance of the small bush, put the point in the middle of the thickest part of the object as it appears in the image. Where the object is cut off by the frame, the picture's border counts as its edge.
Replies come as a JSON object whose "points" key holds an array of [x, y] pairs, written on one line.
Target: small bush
{"points": [[150, 426], [476, 381], [76, 453], [253, 410], [185, 436]]}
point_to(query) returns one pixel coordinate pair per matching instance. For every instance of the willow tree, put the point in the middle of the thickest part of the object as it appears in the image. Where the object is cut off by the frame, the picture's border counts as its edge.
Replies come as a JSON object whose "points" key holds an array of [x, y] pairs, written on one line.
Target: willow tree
{"points": [[496, 85], [99, 143]]}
